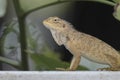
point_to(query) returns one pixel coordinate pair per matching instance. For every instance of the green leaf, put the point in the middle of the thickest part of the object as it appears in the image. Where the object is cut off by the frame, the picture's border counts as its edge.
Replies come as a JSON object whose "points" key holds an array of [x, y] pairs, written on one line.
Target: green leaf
{"points": [[107, 2], [32, 44], [28, 5], [117, 1], [50, 61], [116, 13], [3, 5], [45, 63]]}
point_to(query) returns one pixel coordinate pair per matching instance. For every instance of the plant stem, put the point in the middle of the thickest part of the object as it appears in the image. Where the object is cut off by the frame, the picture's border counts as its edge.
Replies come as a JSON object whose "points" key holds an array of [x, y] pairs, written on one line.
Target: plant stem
{"points": [[14, 63], [24, 55], [100, 1], [3, 37], [23, 40]]}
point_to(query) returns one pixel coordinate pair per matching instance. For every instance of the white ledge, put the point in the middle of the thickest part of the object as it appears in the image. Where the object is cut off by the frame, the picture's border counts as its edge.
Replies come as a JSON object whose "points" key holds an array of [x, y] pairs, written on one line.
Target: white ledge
{"points": [[59, 75]]}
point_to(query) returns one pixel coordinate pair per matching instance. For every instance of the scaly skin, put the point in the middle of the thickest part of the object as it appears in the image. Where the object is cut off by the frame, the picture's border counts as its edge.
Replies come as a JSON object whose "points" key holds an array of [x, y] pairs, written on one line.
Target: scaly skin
{"points": [[81, 44]]}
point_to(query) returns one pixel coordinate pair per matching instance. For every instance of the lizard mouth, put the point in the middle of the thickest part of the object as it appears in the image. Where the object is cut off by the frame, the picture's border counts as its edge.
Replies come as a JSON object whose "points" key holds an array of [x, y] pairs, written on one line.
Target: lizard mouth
{"points": [[48, 24], [45, 24]]}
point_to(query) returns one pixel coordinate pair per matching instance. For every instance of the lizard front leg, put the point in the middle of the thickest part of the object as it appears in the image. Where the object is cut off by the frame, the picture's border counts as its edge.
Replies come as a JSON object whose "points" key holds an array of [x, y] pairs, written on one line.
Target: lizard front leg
{"points": [[74, 64]]}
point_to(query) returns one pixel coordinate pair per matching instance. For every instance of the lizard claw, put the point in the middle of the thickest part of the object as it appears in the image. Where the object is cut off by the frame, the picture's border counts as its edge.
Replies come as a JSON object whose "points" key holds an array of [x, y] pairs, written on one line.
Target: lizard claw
{"points": [[63, 69], [108, 69], [102, 69]]}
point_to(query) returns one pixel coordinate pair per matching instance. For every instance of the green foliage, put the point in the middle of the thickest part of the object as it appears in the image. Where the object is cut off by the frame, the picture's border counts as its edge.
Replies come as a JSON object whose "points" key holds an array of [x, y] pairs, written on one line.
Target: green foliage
{"points": [[8, 29], [26, 6], [117, 1], [107, 2], [116, 13], [3, 5], [49, 60]]}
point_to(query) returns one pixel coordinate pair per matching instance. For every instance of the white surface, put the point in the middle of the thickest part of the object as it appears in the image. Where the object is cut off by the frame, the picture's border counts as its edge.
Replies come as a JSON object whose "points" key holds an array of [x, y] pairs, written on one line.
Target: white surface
{"points": [[92, 66], [59, 75]]}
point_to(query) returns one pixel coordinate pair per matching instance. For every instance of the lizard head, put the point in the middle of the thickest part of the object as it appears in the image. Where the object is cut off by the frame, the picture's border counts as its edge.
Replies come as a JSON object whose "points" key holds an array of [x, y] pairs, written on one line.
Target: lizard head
{"points": [[56, 23]]}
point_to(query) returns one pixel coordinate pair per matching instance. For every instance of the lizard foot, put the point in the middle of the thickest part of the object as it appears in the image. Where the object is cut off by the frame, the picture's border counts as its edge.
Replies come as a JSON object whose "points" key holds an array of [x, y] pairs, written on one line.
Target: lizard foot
{"points": [[108, 69], [63, 69]]}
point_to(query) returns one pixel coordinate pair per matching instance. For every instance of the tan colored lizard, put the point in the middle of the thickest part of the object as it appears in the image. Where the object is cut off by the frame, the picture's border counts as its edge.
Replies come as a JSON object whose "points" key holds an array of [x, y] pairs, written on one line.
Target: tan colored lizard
{"points": [[81, 44]]}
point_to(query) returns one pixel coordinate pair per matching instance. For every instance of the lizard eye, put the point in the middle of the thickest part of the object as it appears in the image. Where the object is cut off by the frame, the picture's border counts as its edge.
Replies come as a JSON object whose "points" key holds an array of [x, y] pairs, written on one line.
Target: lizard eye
{"points": [[56, 20]]}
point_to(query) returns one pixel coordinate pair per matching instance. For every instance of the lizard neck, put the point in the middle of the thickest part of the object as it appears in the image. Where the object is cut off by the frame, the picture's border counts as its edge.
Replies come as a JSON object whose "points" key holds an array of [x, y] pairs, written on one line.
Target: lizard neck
{"points": [[70, 32], [62, 37], [59, 37]]}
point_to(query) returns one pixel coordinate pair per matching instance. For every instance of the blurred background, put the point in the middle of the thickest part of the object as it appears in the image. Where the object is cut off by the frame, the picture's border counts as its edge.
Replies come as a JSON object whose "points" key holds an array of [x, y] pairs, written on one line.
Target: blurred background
{"points": [[89, 17]]}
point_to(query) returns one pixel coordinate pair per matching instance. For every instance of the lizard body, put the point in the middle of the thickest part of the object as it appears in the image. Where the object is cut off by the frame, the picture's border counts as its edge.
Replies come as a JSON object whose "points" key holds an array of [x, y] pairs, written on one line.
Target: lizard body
{"points": [[82, 44]]}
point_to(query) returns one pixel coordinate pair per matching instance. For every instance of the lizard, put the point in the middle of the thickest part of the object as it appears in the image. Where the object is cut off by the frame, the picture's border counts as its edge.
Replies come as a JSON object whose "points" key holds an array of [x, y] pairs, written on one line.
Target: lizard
{"points": [[82, 44]]}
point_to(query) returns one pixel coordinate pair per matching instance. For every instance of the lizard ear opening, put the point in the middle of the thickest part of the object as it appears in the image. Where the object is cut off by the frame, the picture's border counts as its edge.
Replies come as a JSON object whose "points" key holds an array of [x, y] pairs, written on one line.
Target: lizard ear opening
{"points": [[64, 26]]}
